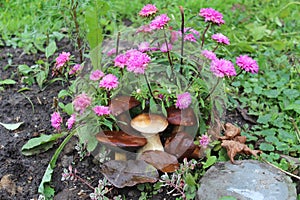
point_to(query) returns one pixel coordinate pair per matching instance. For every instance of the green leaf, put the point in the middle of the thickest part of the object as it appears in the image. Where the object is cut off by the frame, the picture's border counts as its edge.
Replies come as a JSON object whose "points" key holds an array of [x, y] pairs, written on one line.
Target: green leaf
{"points": [[266, 147], [12, 127], [271, 93], [50, 49], [40, 144], [24, 69], [264, 119], [40, 78], [87, 134], [7, 82], [209, 162], [190, 180]]}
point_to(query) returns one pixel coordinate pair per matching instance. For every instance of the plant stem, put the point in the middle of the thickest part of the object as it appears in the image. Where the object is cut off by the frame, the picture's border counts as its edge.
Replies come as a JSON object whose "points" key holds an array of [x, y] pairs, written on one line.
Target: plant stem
{"points": [[168, 50], [84, 181], [231, 81], [215, 48], [118, 43], [149, 87], [213, 89], [203, 35], [182, 36], [296, 128], [74, 15]]}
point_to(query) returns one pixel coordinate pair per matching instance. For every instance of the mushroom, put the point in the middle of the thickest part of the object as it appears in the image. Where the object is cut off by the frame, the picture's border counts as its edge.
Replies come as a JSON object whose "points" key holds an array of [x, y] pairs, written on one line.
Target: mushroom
{"points": [[118, 107], [149, 125], [121, 140], [181, 118], [181, 145]]}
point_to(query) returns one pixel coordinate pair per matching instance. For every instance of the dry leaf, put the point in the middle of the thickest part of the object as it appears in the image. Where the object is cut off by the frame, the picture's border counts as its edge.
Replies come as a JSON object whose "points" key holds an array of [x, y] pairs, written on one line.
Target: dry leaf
{"points": [[129, 173]]}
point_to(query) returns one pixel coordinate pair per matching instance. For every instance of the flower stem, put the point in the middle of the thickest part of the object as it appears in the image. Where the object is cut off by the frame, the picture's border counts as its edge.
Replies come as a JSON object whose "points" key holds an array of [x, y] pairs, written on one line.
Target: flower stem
{"points": [[168, 50], [215, 48], [74, 16], [182, 35], [118, 43], [149, 87], [213, 89], [84, 181], [231, 81], [203, 35]]}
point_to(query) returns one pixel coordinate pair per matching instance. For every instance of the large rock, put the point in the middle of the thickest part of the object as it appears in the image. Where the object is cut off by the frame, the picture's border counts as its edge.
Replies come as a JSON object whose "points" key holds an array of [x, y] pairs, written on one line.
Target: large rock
{"points": [[251, 180]]}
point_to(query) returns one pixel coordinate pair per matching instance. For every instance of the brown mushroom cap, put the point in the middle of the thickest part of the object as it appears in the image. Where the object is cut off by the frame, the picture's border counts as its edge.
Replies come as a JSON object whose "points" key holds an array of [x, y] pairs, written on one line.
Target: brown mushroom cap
{"points": [[120, 139], [121, 104], [185, 117], [149, 123]]}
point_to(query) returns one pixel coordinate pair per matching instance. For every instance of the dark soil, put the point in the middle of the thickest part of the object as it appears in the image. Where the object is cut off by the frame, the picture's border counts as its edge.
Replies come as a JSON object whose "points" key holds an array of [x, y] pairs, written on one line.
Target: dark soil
{"points": [[21, 175]]}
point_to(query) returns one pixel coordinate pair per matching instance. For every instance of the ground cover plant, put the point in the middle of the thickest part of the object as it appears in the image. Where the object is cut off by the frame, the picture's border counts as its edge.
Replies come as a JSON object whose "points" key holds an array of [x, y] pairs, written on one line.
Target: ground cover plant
{"points": [[267, 103]]}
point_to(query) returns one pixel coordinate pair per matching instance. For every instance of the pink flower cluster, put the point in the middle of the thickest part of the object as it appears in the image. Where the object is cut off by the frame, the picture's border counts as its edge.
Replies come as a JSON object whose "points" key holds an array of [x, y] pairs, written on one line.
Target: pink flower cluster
{"points": [[109, 82], [56, 120], [148, 10], [101, 110], [75, 69], [191, 35], [71, 121], [222, 67], [159, 22], [220, 38], [135, 61], [81, 102], [144, 47], [209, 55], [211, 15], [165, 48], [96, 75], [111, 52], [204, 141], [183, 100], [62, 59], [248, 64]]}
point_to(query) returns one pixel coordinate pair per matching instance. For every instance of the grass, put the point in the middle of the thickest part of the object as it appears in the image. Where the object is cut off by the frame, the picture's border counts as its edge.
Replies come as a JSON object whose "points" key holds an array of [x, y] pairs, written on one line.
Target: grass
{"points": [[266, 30]]}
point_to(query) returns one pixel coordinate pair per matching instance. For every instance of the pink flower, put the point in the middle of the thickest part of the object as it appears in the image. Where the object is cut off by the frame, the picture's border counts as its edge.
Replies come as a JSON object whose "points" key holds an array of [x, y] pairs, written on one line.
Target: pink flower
{"points": [[159, 22], [109, 82], [148, 10], [248, 64], [56, 120], [96, 75], [175, 35], [164, 48], [111, 52], [81, 102], [183, 100], [62, 59], [75, 69], [144, 29], [137, 61], [101, 110], [222, 67], [191, 35], [144, 47], [204, 141], [220, 38], [209, 54], [71, 121], [211, 15], [120, 60]]}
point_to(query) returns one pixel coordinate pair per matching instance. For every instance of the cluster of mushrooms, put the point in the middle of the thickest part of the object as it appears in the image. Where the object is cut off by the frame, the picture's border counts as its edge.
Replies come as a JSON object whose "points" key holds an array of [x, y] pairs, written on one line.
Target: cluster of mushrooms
{"points": [[158, 140]]}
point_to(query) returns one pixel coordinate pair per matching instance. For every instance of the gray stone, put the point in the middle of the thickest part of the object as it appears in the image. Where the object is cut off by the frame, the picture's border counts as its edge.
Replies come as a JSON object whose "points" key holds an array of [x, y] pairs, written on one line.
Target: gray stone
{"points": [[250, 180]]}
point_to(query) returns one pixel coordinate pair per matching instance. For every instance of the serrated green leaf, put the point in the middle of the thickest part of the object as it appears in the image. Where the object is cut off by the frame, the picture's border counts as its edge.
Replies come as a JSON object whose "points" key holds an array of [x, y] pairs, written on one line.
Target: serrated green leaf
{"points": [[11, 127], [271, 93], [190, 180]]}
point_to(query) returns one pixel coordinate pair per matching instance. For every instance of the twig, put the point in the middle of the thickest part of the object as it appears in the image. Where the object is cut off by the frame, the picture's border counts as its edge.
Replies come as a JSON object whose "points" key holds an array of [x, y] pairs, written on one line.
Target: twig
{"points": [[215, 86], [203, 35], [288, 173]]}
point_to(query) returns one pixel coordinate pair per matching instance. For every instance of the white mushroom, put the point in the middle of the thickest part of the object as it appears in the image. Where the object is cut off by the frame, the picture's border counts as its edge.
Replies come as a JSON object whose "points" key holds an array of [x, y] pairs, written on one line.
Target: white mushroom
{"points": [[150, 125]]}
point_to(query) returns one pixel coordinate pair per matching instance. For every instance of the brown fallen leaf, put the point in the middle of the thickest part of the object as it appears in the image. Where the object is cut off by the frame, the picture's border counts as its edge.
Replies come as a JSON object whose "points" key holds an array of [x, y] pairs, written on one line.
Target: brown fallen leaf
{"points": [[161, 160], [9, 185], [129, 173], [233, 148], [235, 143]]}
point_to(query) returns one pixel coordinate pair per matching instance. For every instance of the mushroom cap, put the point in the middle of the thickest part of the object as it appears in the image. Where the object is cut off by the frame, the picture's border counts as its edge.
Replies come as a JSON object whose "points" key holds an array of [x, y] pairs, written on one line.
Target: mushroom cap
{"points": [[185, 117], [149, 123], [120, 139], [121, 104]]}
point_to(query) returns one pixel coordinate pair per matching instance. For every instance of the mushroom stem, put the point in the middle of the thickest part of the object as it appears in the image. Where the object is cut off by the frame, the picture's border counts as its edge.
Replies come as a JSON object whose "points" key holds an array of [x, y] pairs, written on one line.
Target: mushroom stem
{"points": [[120, 156], [153, 143]]}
